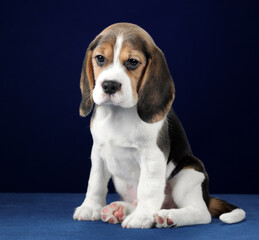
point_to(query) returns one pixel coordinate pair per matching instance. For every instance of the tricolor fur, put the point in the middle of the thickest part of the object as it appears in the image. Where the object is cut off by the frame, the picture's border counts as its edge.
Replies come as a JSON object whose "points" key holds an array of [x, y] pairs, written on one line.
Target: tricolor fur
{"points": [[138, 140]]}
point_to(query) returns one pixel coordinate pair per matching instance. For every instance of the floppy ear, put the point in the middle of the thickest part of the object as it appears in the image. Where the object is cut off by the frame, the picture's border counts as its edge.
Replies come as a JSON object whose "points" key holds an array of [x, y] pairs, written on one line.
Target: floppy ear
{"points": [[87, 80], [157, 91]]}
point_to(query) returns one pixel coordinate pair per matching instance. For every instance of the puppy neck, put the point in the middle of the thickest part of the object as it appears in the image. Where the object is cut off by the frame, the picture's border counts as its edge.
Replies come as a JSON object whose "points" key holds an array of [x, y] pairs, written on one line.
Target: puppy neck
{"points": [[114, 110]]}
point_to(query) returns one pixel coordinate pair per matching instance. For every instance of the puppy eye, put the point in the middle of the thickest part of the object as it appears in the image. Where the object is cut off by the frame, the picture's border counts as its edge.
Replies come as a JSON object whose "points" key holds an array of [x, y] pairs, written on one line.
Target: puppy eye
{"points": [[100, 60], [132, 64]]}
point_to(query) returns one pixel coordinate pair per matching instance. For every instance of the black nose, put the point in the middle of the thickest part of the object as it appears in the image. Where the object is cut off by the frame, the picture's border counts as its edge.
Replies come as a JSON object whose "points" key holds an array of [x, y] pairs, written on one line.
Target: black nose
{"points": [[111, 87]]}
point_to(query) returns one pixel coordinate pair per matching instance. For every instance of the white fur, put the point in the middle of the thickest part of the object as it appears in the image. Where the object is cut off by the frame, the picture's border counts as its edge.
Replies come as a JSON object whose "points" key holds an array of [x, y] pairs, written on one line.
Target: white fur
{"points": [[236, 215], [125, 148], [96, 191], [187, 194], [115, 72], [128, 147]]}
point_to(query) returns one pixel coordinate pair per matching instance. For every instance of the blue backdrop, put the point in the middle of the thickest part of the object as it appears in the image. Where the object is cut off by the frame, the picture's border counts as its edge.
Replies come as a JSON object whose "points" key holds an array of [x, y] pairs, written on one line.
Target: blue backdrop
{"points": [[212, 51]]}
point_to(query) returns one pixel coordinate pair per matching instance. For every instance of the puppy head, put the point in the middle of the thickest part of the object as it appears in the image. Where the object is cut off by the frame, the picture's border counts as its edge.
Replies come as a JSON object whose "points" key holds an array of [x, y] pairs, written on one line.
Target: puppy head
{"points": [[124, 67]]}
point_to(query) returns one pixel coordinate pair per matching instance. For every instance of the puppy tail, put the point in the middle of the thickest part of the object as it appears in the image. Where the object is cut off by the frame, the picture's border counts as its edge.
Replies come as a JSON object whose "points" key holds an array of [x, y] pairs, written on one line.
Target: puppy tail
{"points": [[225, 211]]}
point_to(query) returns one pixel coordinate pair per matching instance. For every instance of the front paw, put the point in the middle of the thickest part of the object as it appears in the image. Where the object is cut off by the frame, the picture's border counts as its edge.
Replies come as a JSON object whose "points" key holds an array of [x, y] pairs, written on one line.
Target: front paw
{"points": [[85, 212], [139, 219]]}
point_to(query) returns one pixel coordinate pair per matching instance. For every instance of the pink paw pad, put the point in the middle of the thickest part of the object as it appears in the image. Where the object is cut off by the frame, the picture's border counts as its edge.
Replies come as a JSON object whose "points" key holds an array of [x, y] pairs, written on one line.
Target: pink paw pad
{"points": [[163, 221], [111, 220], [169, 221], [160, 220], [105, 210], [119, 214], [113, 213]]}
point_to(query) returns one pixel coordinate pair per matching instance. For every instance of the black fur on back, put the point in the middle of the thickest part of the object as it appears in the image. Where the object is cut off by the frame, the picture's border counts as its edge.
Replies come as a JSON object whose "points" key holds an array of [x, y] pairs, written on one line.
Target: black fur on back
{"points": [[181, 154]]}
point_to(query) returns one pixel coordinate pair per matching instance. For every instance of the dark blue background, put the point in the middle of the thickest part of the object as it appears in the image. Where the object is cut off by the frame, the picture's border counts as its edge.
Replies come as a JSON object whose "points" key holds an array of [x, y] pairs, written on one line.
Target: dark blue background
{"points": [[212, 51]]}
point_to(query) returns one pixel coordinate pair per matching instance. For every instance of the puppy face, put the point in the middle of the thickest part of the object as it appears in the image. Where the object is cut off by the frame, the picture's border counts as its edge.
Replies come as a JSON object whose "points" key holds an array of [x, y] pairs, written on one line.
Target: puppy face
{"points": [[124, 67], [118, 65]]}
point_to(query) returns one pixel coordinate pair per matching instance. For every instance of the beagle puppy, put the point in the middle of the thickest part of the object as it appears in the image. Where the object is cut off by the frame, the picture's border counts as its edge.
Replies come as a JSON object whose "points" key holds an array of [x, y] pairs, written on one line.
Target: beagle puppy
{"points": [[138, 140]]}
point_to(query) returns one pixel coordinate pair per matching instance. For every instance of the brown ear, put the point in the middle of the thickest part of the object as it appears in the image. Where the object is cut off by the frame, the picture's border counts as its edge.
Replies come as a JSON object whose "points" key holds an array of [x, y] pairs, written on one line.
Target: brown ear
{"points": [[157, 91], [87, 80]]}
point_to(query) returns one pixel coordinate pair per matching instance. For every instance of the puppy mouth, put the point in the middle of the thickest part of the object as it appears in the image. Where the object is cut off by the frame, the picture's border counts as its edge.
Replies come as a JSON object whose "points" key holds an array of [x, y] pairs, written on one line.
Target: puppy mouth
{"points": [[111, 100]]}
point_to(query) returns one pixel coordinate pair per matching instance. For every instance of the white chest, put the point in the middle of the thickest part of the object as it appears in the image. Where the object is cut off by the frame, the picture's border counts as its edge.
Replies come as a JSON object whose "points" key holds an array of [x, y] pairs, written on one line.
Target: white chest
{"points": [[121, 138], [121, 162]]}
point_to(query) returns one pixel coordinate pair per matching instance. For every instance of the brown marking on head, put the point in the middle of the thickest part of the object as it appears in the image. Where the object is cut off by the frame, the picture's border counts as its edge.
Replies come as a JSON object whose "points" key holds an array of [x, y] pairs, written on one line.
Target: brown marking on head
{"points": [[105, 49], [129, 51], [90, 70], [151, 82]]}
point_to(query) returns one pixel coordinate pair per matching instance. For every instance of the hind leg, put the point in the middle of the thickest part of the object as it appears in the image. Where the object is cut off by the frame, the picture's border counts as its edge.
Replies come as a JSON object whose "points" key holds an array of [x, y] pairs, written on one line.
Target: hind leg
{"points": [[117, 211], [188, 196]]}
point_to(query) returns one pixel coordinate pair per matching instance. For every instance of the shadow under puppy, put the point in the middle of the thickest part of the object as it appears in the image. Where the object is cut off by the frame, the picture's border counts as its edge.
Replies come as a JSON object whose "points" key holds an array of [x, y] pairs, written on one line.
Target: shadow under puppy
{"points": [[138, 140]]}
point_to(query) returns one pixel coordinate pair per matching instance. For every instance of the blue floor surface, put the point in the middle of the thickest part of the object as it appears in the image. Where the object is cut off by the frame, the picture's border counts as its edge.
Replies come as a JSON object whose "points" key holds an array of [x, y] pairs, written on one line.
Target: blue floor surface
{"points": [[49, 216]]}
